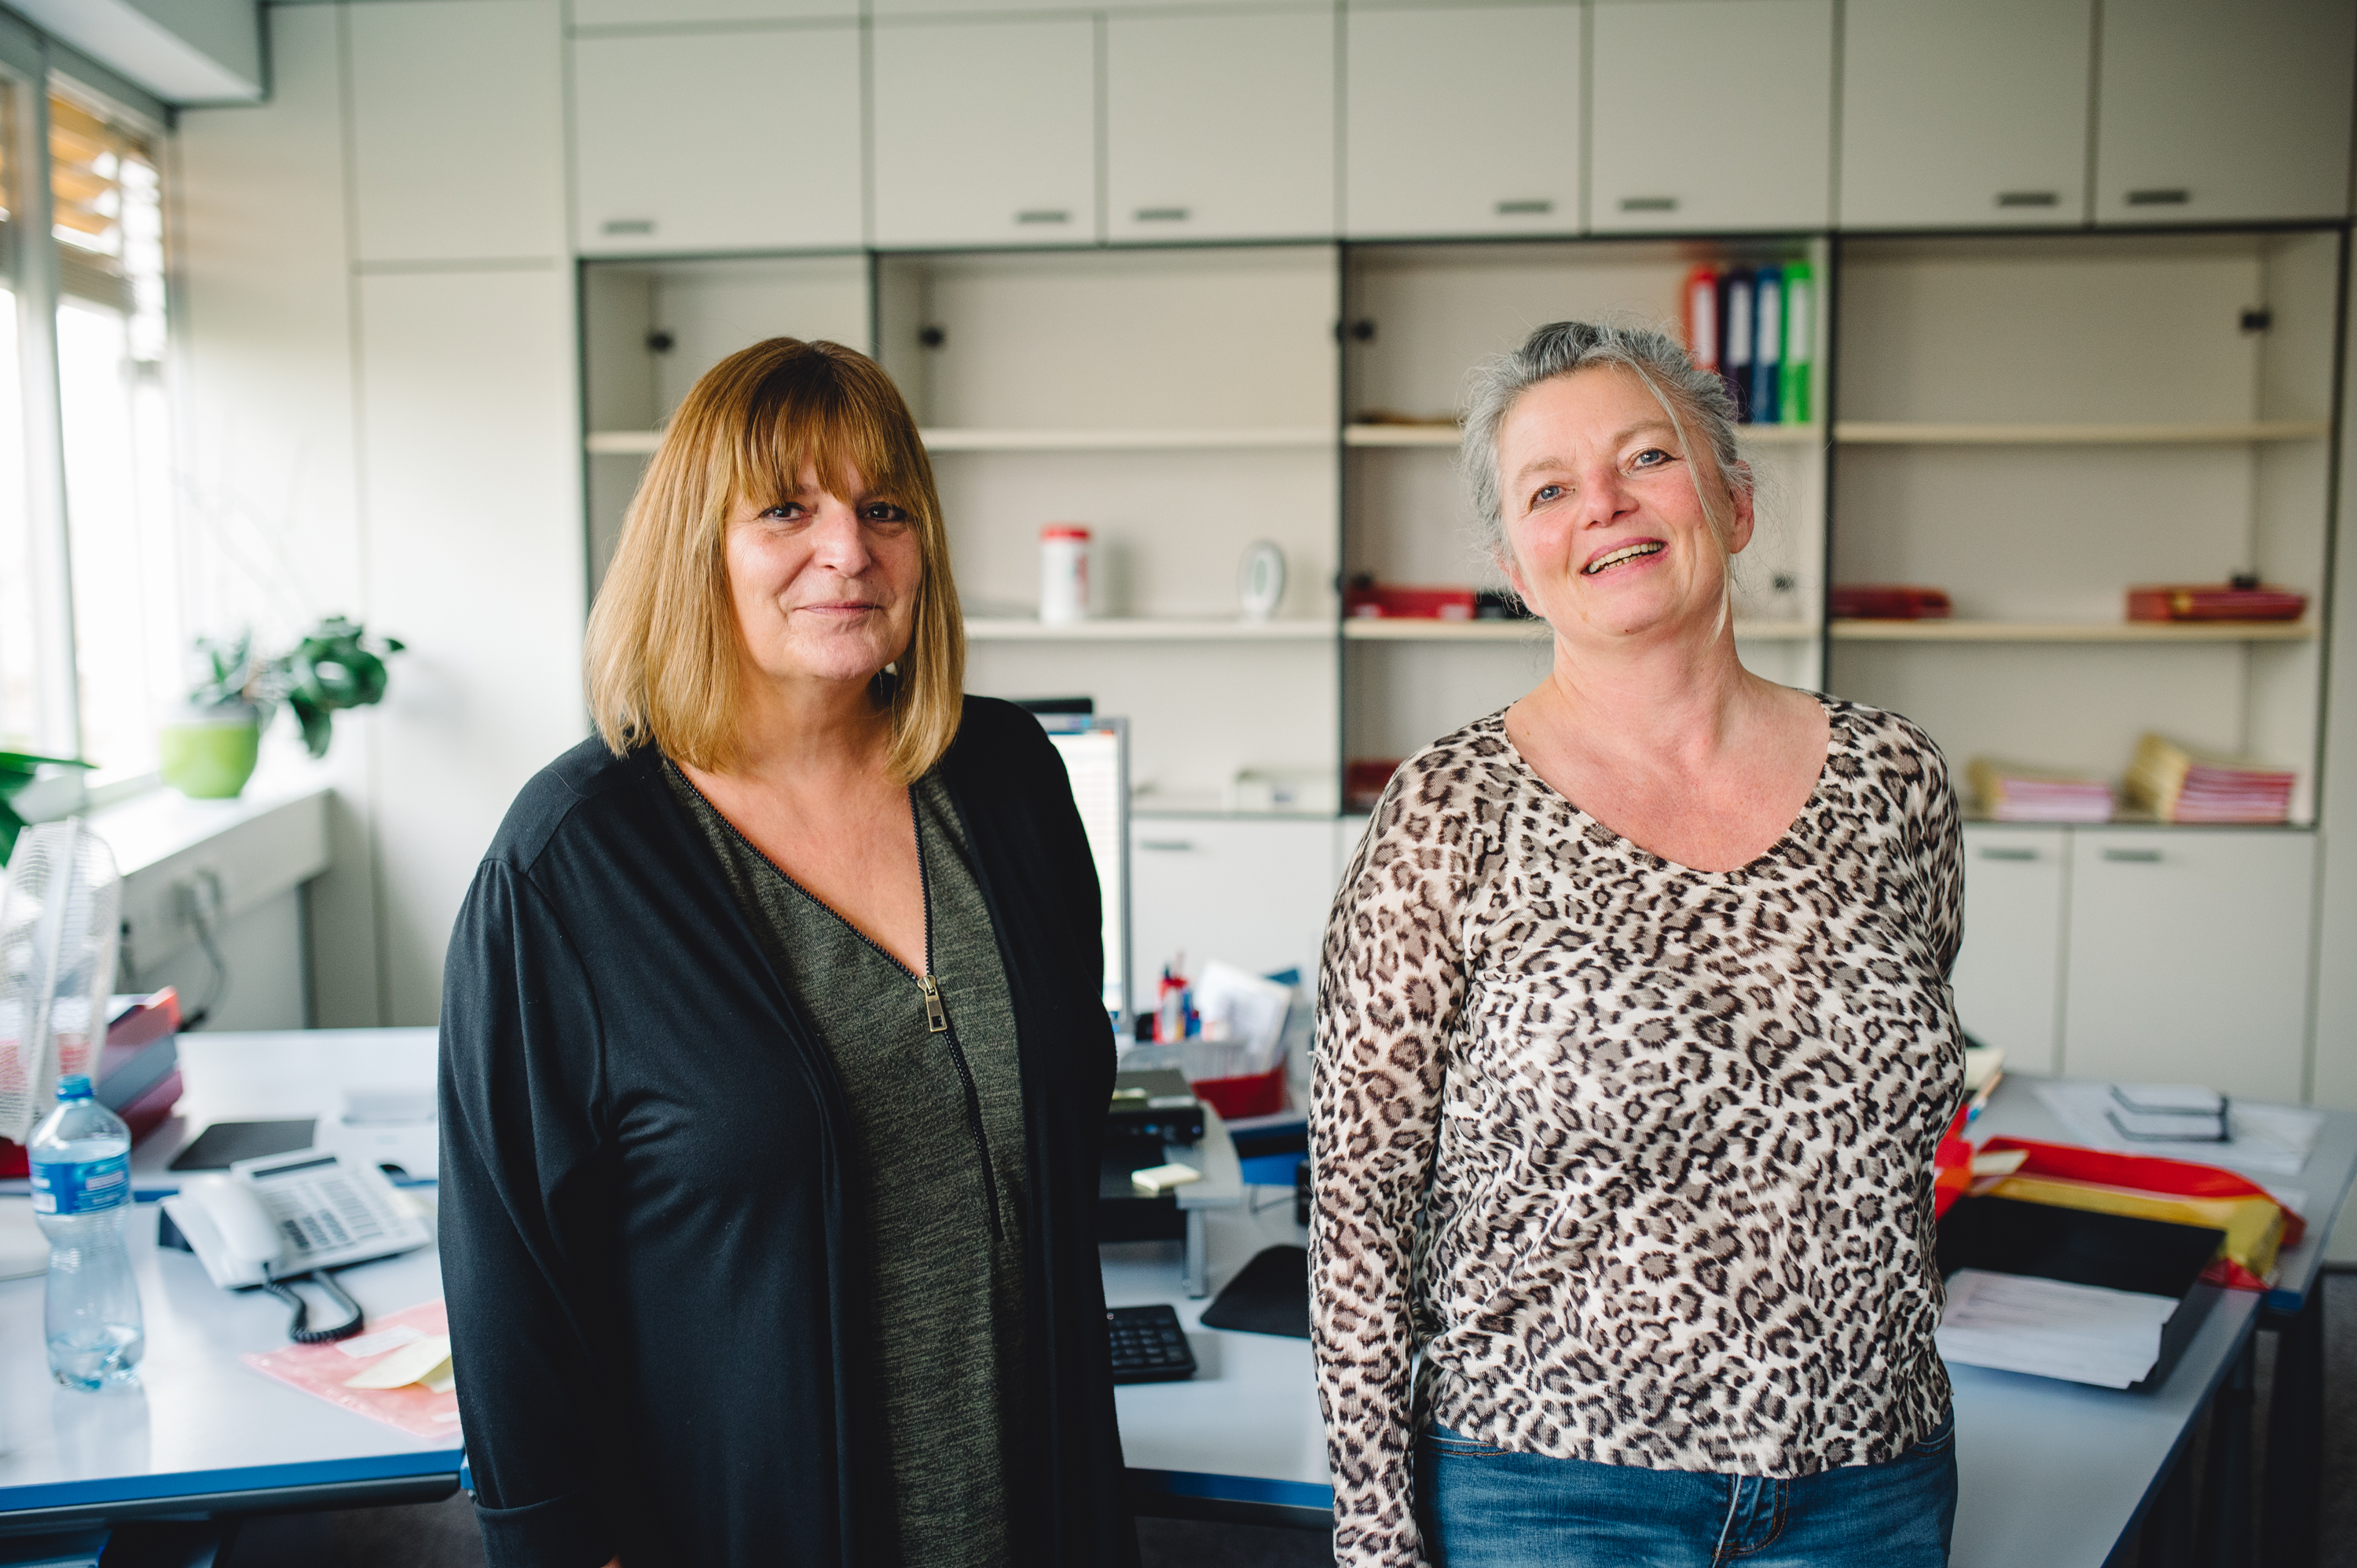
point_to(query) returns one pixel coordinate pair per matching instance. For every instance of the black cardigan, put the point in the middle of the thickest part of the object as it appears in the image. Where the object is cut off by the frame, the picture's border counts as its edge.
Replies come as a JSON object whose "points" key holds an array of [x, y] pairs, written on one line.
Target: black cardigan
{"points": [[643, 1224]]}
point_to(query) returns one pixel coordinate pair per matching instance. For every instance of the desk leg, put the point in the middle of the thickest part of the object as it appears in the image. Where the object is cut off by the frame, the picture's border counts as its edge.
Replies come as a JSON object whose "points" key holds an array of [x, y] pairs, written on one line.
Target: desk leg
{"points": [[2226, 1487], [1199, 1267], [2169, 1526], [2295, 1477]]}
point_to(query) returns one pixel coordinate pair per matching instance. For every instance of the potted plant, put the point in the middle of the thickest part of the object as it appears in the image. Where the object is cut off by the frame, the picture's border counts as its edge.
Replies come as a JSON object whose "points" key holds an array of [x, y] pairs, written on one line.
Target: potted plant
{"points": [[209, 753]]}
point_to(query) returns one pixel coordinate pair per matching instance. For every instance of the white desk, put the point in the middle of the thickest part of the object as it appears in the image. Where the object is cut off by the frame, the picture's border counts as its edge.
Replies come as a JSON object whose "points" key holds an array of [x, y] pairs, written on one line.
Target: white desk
{"points": [[204, 1432], [2050, 1473]]}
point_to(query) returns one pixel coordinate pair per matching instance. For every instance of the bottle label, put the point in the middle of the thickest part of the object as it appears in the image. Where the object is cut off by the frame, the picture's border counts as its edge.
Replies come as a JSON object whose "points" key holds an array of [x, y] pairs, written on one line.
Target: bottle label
{"points": [[84, 1187]]}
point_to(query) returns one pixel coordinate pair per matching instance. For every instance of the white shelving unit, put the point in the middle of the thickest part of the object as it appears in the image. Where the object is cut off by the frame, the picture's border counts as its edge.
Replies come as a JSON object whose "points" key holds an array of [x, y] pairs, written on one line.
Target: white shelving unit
{"points": [[1011, 629], [1409, 630], [1416, 317], [1867, 433], [1105, 388], [2075, 414], [2070, 631]]}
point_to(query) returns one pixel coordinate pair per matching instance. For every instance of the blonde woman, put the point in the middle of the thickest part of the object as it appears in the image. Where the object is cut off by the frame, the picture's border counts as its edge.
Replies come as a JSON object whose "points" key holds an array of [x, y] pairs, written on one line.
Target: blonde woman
{"points": [[773, 1062], [1634, 1046]]}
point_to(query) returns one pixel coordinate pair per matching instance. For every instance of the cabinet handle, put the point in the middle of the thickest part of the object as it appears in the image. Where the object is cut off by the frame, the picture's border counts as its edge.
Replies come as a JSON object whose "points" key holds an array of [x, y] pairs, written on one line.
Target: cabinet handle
{"points": [[2134, 856], [1996, 851], [1161, 215], [1649, 204], [1044, 215], [1524, 208], [2173, 196], [626, 226], [1176, 846], [2029, 198]]}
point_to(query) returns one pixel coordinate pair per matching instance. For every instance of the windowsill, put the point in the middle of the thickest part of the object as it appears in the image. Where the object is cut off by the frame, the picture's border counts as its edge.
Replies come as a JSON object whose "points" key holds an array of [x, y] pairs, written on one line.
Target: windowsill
{"points": [[243, 852], [154, 825]]}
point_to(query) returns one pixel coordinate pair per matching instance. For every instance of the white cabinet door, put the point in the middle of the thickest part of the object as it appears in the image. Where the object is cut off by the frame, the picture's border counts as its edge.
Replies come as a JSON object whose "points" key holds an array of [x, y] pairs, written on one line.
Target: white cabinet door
{"points": [[458, 128], [2208, 111], [985, 133], [767, 170], [1220, 127], [2008, 977], [1711, 115], [1252, 891], [1462, 121], [1965, 114], [2190, 958]]}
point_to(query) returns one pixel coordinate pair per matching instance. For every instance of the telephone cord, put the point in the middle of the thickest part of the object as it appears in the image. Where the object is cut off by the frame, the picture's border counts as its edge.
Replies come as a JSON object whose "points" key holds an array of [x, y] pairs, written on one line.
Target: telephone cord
{"points": [[326, 1282]]}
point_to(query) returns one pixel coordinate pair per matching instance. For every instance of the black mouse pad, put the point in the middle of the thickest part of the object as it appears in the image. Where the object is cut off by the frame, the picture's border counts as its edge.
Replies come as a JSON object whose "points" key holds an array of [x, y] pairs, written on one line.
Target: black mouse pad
{"points": [[224, 1142], [1270, 1296]]}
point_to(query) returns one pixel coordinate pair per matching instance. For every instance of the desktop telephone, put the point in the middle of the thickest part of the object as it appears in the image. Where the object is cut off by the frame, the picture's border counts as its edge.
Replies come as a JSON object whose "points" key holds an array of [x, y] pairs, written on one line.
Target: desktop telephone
{"points": [[272, 1219]]}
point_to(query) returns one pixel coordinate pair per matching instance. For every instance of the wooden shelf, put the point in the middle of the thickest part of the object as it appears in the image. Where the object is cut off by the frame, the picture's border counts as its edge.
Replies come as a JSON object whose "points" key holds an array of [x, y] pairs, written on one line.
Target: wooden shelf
{"points": [[1147, 629], [2070, 631], [1306, 437], [1406, 629], [1870, 433], [1447, 436], [1433, 434], [1286, 438]]}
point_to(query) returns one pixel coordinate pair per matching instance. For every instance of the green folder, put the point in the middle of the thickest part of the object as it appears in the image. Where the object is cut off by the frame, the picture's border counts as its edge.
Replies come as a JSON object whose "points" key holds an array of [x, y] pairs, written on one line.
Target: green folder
{"points": [[1797, 394]]}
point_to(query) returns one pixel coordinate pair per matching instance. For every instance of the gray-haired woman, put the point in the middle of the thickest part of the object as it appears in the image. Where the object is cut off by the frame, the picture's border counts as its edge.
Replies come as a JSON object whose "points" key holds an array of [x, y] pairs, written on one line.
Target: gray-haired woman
{"points": [[1635, 1044]]}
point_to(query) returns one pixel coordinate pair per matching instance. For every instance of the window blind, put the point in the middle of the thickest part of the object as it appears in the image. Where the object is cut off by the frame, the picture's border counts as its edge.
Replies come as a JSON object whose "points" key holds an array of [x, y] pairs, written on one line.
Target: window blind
{"points": [[109, 218]]}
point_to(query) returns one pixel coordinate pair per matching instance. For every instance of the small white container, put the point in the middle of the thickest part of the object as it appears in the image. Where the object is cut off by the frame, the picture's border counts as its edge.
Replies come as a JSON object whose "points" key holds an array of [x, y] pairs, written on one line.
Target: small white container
{"points": [[1260, 582], [1063, 574]]}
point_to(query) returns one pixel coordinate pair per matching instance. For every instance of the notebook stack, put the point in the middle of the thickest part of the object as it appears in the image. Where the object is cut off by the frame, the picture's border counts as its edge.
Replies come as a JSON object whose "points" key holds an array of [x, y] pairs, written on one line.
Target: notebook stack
{"points": [[2181, 786], [2009, 793]]}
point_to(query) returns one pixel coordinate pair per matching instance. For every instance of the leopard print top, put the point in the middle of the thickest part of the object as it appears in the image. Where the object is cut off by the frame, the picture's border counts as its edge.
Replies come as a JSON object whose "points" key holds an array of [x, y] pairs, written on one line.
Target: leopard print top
{"points": [[1632, 1161]]}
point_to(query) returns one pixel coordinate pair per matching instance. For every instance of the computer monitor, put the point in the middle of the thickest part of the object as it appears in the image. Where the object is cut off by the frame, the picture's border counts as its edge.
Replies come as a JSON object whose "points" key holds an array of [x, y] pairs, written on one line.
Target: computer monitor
{"points": [[1096, 755]]}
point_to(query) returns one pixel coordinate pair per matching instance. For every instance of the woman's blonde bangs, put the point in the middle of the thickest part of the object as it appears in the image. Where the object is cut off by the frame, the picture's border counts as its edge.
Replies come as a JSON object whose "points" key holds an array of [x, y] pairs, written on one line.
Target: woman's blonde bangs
{"points": [[662, 654]]}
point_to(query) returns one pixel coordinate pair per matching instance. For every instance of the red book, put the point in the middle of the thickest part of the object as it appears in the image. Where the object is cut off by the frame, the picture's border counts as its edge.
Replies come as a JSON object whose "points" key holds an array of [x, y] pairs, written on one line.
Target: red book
{"points": [[1380, 601], [1886, 601], [2214, 601]]}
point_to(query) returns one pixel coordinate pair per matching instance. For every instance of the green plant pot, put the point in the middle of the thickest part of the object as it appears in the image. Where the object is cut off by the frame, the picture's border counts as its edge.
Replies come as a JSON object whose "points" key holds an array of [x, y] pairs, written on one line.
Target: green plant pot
{"points": [[209, 759]]}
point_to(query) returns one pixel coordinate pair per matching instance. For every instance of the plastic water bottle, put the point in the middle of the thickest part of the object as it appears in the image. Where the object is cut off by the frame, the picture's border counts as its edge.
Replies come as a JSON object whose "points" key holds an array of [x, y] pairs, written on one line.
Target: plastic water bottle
{"points": [[80, 1159]]}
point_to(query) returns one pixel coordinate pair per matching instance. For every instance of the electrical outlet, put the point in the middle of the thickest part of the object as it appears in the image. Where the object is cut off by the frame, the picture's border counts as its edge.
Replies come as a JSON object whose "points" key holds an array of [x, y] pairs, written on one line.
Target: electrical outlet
{"points": [[197, 898]]}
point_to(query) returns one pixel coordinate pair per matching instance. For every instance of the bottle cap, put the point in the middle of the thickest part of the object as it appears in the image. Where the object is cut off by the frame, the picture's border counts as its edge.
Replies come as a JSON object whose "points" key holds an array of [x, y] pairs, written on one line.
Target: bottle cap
{"points": [[73, 1086]]}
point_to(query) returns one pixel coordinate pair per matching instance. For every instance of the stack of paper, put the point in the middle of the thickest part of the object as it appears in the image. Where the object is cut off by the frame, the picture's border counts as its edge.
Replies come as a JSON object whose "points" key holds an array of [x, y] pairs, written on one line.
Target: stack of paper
{"points": [[2178, 785], [2082, 1334], [2263, 1140], [2168, 1113], [2010, 793]]}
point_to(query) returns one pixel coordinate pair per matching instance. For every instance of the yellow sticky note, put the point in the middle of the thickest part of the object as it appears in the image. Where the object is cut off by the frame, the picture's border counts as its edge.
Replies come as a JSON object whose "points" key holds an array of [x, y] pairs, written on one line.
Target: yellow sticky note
{"points": [[1155, 1180], [420, 1361]]}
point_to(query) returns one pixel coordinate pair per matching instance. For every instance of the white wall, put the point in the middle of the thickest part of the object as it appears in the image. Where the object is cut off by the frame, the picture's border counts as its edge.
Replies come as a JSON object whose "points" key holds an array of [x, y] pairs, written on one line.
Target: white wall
{"points": [[270, 492], [379, 384]]}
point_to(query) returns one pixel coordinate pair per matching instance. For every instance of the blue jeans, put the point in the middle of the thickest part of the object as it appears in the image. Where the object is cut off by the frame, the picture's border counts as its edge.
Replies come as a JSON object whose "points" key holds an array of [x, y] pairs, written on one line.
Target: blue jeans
{"points": [[1483, 1508]]}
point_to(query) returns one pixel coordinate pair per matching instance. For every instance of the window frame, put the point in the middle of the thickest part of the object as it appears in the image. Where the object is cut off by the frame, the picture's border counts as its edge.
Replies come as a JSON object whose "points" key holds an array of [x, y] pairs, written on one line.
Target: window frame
{"points": [[34, 66]]}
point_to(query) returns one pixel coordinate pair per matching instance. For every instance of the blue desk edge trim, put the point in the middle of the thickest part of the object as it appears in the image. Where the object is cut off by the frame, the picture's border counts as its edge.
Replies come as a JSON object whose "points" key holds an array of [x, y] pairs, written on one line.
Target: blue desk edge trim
{"points": [[251, 1478], [1233, 1488]]}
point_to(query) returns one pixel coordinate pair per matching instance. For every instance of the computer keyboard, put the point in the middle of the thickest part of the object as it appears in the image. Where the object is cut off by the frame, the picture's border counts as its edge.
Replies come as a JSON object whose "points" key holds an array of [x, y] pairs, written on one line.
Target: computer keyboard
{"points": [[1148, 1346]]}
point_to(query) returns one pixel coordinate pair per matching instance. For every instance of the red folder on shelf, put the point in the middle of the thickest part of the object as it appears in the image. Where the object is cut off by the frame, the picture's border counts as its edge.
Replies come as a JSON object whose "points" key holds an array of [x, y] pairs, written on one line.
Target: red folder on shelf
{"points": [[2214, 601], [1886, 601]]}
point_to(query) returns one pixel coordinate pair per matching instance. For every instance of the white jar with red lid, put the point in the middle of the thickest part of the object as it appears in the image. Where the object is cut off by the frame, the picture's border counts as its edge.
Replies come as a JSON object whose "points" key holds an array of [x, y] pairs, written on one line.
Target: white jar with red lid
{"points": [[1063, 574]]}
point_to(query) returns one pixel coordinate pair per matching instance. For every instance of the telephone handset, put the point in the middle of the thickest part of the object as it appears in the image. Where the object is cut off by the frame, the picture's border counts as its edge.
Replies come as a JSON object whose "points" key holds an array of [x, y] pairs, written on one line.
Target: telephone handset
{"points": [[271, 1219]]}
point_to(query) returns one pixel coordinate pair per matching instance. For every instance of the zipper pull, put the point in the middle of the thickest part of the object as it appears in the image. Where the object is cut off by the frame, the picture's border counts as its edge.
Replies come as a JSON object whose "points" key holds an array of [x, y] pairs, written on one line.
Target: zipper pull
{"points": [[936, 1020]]}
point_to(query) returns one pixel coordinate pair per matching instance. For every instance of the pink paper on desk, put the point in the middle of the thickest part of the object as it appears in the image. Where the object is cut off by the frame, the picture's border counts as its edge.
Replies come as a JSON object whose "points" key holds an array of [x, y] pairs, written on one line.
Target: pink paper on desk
{"points": [[321, 1369]]}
